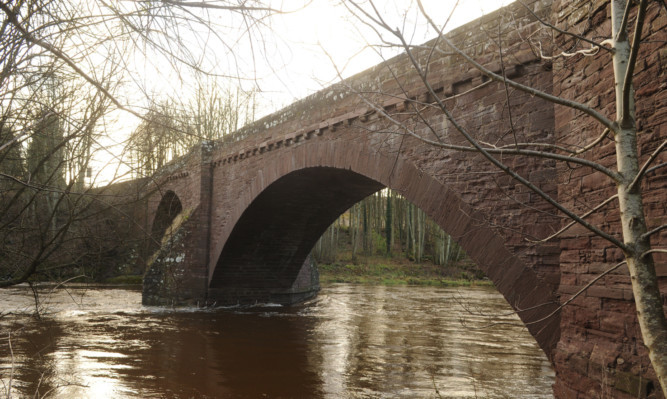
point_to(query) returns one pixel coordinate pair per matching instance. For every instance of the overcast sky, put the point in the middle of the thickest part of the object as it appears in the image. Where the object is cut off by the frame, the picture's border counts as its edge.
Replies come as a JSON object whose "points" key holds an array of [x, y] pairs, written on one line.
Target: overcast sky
{"points": [[289, 58], [324, 27]]}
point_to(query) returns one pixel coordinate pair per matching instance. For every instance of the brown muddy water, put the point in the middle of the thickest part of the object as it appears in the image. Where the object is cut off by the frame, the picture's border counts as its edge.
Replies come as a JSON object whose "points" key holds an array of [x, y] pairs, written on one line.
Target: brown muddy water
{"points": [[353, 341]]}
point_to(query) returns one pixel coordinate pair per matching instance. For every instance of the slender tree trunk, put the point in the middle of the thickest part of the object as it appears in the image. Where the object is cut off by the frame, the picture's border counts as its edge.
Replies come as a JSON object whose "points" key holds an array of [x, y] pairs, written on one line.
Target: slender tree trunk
{"points": [[354, 220], [365, 230], [650, 312], [333, 243], [410, 231], [449, 246], [388, 223], [421, 223], [400, 212]]}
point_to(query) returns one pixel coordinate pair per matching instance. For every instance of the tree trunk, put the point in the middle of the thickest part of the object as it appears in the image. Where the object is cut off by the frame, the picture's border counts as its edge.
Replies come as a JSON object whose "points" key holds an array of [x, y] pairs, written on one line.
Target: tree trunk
{"points": [[389, 233], [354, 231], [449, 246], [364, 211], [410, 231], [650, 312], [421, 223]]}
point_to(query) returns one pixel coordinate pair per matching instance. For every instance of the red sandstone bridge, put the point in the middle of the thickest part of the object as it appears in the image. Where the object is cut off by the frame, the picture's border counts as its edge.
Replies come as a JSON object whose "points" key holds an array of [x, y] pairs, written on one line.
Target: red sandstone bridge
{"points": [[243, 213]]}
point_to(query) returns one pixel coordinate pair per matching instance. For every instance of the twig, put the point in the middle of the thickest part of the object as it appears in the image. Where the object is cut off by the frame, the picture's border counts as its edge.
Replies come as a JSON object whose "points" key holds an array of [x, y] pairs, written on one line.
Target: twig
{"points": [[564, 32], [572, 298], [654, 251], [527, 89], [203, 4], [656, 167], [644, 168], [604, 134], [581, 291], [572, 223], [507, 90], [654, 231]]}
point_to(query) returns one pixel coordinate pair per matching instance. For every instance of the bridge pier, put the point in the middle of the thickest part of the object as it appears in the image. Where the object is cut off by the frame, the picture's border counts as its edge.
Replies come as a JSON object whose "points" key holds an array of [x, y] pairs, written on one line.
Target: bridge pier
{"points": [[305, 287], [177, 276], [173, 281]]}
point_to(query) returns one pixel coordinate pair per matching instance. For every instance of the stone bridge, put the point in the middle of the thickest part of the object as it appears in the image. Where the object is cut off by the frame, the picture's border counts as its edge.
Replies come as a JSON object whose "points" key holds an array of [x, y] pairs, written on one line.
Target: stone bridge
{"points": [[242, 214]]}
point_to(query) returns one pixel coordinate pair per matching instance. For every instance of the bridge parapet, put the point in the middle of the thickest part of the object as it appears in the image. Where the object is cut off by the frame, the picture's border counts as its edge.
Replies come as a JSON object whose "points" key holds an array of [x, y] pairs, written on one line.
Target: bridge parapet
{"points": [[449, 75]]}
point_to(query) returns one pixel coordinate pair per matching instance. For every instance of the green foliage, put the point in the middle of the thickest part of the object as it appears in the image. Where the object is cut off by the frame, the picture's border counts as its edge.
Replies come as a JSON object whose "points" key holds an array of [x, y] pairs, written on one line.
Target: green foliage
{"points": [[379, 243], [383, 224], [392, 271], [389, 273], [355, 247], [125, 280]]}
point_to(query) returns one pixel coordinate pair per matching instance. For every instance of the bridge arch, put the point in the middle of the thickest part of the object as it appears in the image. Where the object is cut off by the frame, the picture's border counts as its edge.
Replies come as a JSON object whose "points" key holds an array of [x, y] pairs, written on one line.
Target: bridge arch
{"points": [[288, 202], [169, 207]]}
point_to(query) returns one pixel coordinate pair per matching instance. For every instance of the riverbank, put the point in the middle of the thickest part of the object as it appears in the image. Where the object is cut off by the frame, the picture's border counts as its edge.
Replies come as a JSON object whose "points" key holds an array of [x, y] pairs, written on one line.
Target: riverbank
{"points": [[392, 271], [378, 270]]}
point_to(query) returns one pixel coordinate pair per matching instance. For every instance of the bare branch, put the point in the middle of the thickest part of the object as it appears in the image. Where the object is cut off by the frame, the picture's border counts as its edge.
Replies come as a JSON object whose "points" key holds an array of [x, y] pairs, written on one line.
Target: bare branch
{"points": [[507, 90], [572, 223], [604, 134], [632, 61], [578, 293], [211, 5], [484, 151], [11, 16], [561, 306], [527, 89], [39, 187], [491, 149], [654, 251], [623, 27], [597, 141], [589, 52], [564, 32], [656, 167], [644, 168], [654, 231]]}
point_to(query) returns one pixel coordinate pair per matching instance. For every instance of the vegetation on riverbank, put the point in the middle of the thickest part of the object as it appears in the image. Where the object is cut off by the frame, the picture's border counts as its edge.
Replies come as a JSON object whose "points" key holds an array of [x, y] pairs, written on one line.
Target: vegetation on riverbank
{"points": [[399, 271], [378, 270], [385, 239], [127, 279]]}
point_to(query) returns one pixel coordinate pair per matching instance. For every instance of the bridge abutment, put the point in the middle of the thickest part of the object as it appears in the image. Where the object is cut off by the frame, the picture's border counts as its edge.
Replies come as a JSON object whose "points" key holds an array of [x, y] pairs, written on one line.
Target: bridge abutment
{"points": [[176, 274]]}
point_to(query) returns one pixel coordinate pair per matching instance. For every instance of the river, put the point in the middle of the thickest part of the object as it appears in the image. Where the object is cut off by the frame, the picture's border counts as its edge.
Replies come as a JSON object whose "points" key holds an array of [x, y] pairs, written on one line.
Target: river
{"points": [[353, 341]]}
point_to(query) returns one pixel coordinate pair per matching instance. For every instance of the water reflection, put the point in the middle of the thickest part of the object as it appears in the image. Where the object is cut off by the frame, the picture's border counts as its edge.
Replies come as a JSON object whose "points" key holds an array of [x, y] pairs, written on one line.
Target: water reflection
{"points": [[352, 341]]}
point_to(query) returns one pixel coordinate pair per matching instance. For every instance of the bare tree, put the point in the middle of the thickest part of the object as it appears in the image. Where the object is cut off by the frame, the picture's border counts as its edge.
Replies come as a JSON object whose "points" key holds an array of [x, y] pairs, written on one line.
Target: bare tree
{"points": [[617, 50], [169, 130], [67, 70]]}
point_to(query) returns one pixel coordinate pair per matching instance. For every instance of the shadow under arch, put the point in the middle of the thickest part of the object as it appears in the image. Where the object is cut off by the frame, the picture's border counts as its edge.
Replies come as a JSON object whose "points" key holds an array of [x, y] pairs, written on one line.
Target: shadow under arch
{"points": [[273, 236], [170, 206]]}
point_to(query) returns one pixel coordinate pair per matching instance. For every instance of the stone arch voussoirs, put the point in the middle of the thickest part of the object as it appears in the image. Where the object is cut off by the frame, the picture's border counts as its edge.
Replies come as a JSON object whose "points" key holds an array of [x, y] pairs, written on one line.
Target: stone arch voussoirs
{"points": [[513, 278]]}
